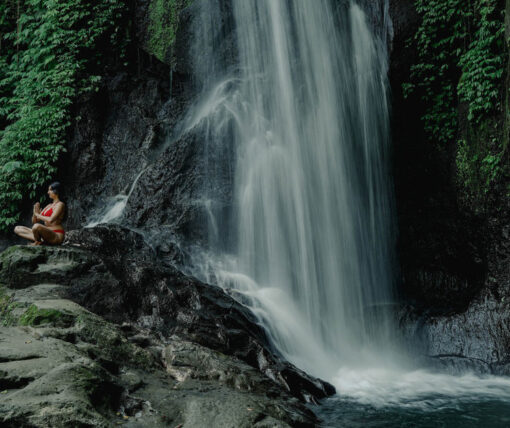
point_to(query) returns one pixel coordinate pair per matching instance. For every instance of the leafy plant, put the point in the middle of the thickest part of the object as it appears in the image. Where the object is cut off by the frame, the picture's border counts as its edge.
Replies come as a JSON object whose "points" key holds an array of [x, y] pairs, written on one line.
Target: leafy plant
{"points": [[53, 58], [461, 60], [483, 62]]}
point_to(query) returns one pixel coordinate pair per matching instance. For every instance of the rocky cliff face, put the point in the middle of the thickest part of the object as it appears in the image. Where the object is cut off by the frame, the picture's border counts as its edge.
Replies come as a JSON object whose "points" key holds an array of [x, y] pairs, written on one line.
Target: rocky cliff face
{"points": [[454, 259], [129, 138]]}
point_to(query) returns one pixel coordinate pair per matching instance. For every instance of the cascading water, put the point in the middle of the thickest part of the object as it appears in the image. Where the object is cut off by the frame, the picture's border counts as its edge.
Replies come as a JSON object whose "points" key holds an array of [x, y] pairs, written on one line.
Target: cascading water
{"points": [[112, 211], [311, 215]]}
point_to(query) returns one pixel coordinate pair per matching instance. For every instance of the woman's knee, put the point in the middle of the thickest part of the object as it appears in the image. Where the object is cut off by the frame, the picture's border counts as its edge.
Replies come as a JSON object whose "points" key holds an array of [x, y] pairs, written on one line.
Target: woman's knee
{"points": [[18, 230], [36, 226]]}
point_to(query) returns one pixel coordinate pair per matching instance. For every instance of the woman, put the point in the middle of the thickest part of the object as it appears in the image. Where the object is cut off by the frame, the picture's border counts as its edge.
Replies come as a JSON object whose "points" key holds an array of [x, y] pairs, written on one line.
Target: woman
{"points": [[52, 215]]}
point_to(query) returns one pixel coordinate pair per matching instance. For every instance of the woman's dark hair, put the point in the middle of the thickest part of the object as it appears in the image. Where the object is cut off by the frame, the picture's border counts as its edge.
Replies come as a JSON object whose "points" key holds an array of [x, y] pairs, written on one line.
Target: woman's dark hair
{"points": [[56, 187]]}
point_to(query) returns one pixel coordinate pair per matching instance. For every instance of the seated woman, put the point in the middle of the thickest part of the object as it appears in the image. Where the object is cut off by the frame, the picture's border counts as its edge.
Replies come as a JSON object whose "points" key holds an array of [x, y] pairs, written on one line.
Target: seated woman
{"points": [[52, 215]]}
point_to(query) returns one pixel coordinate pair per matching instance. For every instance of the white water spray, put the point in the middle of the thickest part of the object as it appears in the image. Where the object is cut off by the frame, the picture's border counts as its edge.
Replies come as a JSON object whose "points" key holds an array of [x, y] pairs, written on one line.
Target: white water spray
{"points": [[113, 210]]}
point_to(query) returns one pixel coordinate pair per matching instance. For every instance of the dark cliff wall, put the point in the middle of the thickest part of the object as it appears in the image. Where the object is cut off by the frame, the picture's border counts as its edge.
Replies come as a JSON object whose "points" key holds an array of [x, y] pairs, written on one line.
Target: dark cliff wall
{"points": [[115, 127], [441, 248], [454, 255], [130, 129]]}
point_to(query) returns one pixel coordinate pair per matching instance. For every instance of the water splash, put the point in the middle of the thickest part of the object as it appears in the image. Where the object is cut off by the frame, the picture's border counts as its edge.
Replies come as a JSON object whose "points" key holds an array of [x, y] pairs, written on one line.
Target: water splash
{"points": [[113, 210], [420, 389]]}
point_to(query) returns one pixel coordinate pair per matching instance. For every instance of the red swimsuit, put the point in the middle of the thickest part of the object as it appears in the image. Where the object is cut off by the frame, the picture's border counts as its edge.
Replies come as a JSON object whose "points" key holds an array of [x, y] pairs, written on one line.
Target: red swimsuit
{"points": [[47, 213]]}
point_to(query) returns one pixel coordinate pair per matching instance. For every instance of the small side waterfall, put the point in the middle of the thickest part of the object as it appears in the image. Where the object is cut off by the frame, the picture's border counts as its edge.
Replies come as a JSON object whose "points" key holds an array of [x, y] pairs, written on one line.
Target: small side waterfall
{"points": [[112, 211], [309, 237]]}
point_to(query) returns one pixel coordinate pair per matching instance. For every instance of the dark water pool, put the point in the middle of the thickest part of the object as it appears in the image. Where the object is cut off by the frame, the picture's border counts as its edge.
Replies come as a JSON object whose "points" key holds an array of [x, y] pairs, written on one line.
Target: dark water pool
{"points": [[431, 412], [375, 397]]}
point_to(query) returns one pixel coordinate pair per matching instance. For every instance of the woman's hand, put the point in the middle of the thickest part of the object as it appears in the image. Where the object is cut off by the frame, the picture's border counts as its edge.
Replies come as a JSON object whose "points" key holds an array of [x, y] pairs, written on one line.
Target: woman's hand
{"points": [[35, 213]]}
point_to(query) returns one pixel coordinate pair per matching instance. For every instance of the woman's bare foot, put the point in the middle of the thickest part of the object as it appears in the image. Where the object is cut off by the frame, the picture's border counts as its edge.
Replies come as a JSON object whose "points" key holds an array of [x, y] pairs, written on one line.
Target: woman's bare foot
{"points": [[33, 244]]}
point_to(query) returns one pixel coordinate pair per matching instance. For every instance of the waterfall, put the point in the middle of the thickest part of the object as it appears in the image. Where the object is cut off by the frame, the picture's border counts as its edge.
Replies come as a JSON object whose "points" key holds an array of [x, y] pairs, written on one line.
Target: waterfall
{"points": [[299, 124], [291, 112]]}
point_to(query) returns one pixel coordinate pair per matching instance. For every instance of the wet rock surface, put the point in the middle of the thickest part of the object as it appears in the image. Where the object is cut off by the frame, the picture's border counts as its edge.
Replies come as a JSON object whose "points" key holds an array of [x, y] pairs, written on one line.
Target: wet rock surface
{"points": [[476, 337], [133, 136], [162, 347]]}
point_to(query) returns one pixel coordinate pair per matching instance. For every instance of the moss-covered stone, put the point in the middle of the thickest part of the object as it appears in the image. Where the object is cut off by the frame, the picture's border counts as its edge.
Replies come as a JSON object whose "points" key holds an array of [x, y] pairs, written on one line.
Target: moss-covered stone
{"points": [[17, 260], [163, 24], [22, 266], [35, 316]]}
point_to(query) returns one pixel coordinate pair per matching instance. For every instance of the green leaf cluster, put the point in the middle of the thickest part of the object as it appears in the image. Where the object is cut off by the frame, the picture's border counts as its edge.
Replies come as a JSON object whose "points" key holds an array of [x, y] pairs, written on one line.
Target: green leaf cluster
{"points": [[461, 58], [48, 57], [483, 62], [163, 24]]}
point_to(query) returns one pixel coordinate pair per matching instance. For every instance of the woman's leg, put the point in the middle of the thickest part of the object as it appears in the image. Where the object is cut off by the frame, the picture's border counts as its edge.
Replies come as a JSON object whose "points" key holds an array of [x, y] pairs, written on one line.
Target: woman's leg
{"points": [[24, 232], [43, 233]]}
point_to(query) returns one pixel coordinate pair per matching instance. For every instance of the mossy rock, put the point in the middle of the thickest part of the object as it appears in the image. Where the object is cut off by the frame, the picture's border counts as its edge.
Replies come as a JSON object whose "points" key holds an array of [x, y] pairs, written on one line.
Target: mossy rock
{"points": [[35, 316], [163, 24], [23, 266], [17, 260], [111, 342], [7, 306]]}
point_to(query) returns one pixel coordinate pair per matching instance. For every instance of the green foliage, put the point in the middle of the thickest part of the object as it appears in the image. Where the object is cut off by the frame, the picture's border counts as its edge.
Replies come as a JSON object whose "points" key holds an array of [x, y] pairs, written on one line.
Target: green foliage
{"points": [[52, 59], [434, 76], [164, 20], [477, 168], [35, 316], [483, 62], [461, 58]]}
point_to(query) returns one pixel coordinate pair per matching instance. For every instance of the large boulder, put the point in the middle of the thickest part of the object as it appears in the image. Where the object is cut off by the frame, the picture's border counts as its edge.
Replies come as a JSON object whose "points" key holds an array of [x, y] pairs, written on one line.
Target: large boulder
{"points": [[112, 272], [64, 366], [97, 331]]}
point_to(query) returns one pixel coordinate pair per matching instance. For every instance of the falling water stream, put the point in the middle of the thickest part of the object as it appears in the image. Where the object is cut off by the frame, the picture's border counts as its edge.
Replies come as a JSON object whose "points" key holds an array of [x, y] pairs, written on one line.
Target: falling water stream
{"points": [[297, 125], [310, 238]]}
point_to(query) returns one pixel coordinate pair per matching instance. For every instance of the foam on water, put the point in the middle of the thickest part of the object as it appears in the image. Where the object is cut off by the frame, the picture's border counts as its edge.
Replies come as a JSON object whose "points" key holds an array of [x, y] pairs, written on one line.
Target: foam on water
{"points": [[421, 389]]}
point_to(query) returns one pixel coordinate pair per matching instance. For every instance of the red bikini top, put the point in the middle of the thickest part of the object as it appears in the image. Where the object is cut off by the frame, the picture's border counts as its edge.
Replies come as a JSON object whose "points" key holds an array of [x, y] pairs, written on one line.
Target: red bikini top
{"points": [[47, 212]]}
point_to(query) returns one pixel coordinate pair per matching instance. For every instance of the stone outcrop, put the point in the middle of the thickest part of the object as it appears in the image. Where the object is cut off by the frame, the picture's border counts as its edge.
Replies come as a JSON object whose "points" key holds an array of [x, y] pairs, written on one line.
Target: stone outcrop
{"points": [[107, 333]]}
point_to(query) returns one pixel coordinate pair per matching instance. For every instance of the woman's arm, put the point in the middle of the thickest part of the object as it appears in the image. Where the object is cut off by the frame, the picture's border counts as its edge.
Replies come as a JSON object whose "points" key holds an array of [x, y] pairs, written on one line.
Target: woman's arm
{"points": [[57, 211], [37, 210]]}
